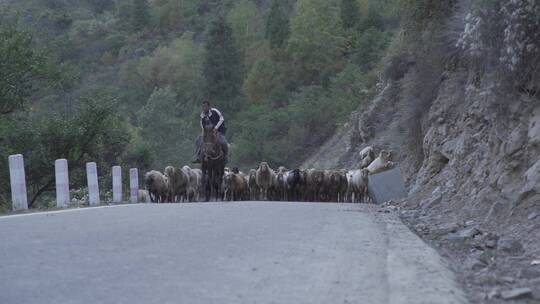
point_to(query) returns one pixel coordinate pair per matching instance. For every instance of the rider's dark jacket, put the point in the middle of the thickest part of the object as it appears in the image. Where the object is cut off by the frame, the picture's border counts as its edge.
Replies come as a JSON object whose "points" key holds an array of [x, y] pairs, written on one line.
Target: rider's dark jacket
{"points": [[215, 118]]}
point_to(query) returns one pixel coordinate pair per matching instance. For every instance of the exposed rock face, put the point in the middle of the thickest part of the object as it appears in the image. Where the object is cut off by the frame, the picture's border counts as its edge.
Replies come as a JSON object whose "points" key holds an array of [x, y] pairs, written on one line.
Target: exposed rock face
{"points": [[481, 145], [476, 157]]}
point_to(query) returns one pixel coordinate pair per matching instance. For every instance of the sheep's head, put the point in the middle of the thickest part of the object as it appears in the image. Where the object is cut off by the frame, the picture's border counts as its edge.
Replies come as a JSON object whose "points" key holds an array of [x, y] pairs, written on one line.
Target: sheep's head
{"points": [[264, 166], [279, 177], [303, 176], [169, 171], [364, 173], [334, 176], [227, 179], [319, 176]]}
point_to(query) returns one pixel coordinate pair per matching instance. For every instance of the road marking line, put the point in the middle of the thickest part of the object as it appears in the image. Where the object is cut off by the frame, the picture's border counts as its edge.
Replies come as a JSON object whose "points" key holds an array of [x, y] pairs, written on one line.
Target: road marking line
{"points": [[64, 211]]}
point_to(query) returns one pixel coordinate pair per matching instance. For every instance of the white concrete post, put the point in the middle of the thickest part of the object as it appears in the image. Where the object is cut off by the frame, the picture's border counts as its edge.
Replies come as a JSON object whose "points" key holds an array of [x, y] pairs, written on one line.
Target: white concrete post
{"points": [[62, 183], [117, 184], [18, 182], [93, 187], [133, 185]]}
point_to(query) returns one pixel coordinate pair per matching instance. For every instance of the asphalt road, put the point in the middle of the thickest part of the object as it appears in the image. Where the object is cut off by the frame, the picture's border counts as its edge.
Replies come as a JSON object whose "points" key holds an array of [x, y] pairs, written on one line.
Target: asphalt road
{"points": [[219, 253]]}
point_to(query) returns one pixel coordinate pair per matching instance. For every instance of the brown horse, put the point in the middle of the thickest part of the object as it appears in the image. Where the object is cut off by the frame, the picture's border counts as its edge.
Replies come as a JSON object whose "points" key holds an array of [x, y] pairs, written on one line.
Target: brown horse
{"points": [[213, 164]]}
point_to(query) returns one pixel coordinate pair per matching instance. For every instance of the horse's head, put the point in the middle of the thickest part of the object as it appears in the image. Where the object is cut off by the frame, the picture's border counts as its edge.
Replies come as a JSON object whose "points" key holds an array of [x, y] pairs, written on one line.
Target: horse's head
{"points": [[209, 135]]}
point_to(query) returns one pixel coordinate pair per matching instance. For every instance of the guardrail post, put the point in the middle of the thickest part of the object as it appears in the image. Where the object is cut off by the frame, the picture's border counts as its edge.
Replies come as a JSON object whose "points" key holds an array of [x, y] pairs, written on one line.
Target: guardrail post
{"points": [[134, 185], [62, 183], [93, 187], [17, 178], [117, 184]]}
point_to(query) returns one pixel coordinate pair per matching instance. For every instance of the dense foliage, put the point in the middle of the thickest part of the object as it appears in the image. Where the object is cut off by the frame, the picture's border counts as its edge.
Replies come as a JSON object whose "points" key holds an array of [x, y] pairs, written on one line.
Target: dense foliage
{"points": [[121, 82]]}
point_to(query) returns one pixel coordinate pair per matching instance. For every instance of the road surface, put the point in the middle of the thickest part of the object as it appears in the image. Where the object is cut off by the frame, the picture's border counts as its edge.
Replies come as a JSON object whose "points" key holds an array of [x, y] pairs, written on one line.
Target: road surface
{"points": [[251, 252]]}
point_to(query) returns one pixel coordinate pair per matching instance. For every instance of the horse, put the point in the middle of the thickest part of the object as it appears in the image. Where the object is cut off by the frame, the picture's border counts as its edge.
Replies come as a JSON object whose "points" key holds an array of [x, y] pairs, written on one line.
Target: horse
{"points": [[213, 163]]}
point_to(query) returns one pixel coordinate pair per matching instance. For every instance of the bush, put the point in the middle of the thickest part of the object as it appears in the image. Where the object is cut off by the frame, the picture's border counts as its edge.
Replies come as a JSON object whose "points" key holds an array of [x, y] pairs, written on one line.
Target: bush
{"points": [[170, 136], [266, 84], [94, 131], [370, 47]]}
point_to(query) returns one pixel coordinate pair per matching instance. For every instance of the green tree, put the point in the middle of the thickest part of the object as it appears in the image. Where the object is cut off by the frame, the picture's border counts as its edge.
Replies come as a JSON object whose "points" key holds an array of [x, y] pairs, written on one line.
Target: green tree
{"points": [[21, 66], [317, 40], [178, 65], [222, 66], [169, 136], [266, 84], [92, 130], [140, 15], [277, 24], [350, 13], [247, 28], [267, 141], [369, 47]]}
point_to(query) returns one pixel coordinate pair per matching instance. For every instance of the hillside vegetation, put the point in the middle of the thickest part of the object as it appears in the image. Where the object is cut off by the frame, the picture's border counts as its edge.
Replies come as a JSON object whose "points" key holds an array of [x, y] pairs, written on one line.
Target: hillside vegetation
{"points": [[121, 82]]}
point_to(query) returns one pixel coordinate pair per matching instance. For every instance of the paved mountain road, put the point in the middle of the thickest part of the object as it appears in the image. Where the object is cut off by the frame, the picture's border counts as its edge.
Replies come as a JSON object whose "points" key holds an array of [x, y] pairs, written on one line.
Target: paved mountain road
{"points": [[252, 252]]}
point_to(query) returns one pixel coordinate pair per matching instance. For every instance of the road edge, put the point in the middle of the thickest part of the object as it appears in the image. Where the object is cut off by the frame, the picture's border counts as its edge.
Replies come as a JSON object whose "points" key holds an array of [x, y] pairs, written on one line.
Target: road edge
{"points": [[423, 275]]}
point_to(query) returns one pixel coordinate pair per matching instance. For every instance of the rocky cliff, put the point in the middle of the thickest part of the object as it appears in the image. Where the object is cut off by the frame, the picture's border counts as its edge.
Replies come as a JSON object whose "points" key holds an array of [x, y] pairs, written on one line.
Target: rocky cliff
{"points": [[466, 135]]}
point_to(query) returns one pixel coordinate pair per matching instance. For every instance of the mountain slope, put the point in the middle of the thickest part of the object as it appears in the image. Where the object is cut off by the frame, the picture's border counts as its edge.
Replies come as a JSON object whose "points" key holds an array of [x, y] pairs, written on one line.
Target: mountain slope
{"points": [[464, 126]]}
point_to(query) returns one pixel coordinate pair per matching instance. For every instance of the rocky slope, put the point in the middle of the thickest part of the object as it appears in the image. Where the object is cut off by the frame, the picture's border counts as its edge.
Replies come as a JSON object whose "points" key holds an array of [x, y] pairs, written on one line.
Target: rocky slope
{"points": [[472, 169]]}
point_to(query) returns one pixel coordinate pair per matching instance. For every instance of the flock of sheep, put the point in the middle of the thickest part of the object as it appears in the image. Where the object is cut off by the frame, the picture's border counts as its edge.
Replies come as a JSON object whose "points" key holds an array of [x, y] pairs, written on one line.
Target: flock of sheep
{"points": [[264, 183]]}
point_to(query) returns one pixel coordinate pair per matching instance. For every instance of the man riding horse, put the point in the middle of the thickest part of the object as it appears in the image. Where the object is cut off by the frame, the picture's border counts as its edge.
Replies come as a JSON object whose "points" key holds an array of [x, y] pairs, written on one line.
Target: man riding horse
{"points": [[211, 118]]}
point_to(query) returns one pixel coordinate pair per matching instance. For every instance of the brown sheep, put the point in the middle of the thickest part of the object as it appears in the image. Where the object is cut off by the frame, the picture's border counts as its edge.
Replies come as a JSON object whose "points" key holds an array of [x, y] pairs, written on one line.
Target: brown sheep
{"points": [[303, 185], [343, 186], [239, 186], [381, 163], [315, 180], [226, 186], [157, 186], [252, 183], [198, 185], [264, 178], [178, 183], [193, 183], [330, 185], [280, 185], [143, 196]]}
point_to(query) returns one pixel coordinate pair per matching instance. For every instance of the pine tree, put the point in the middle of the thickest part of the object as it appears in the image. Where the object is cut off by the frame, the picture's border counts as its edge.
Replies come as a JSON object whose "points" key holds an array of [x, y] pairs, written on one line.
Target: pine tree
{"points": [[350, 14], [317, 40], [140, 14], [277, 24], [222, 67]]}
